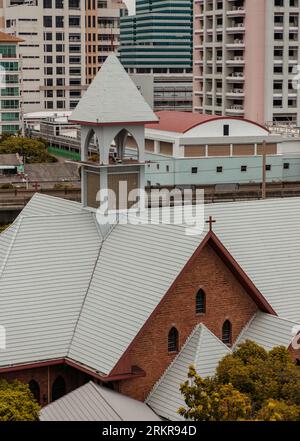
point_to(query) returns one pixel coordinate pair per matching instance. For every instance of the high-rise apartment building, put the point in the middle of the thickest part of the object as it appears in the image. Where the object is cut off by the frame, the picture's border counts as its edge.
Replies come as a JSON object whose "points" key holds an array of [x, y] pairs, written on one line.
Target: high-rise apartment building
{"points": [[10, 105], [157, 41], [246, 54], [65, 43]]}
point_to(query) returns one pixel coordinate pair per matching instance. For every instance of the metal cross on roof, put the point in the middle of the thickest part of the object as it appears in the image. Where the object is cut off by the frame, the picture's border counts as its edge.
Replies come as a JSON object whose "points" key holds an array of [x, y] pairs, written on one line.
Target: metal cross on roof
{"points": [[210, 221]]}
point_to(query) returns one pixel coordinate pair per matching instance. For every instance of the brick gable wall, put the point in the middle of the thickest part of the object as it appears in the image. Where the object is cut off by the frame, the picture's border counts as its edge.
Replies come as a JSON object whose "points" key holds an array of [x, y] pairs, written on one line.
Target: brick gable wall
{"points": [[225, 299]]}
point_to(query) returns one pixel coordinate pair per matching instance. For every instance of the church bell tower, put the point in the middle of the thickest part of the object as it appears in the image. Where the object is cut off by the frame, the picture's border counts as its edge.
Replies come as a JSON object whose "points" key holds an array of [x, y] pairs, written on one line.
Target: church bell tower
{"points": [[112, 115]]}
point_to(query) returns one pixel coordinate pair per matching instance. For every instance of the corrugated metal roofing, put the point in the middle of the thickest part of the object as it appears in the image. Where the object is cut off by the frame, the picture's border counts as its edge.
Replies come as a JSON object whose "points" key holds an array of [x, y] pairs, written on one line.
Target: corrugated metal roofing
{"points": [[60, 171], [44, 205], [43, 284], [203, 350], [112, 97], [93, 402], [182, 122], [264, 238], [10, 158], [268, 331], [136, 266]]}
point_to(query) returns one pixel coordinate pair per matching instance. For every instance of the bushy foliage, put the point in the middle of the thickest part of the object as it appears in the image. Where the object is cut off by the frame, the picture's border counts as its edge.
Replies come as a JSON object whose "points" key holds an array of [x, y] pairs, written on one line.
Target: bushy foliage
{"points": [[17, 402], [274, 410], [35, 150], [259, 385], [207, 400], [260, 374], [3, 227]]}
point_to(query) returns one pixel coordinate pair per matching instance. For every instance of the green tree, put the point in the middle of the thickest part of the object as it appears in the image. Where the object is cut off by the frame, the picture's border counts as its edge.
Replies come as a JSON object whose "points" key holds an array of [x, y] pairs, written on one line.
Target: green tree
{"points": [[17, 402], [35, 150], [261, 375], [250, 383], [274, 410], [3, 227], [207, 400]]}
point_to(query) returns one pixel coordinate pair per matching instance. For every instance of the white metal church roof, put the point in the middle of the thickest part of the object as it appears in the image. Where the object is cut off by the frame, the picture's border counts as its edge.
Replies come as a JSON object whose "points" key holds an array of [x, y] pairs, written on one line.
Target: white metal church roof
{"points": [[268, 331], [66, 292], [93, 402], [203, 350], [112, 97]]}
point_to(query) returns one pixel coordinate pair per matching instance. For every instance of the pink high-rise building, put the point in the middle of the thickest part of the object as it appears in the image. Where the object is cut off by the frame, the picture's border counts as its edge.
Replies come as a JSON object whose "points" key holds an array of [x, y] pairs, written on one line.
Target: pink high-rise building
{"points": [[246, 55]]}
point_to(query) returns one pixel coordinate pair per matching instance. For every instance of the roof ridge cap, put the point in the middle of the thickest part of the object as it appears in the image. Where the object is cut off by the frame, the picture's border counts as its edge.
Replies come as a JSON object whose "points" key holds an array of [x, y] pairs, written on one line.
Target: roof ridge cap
{"points": [[212, 335], [159, 381], [98, 388], [202, 329], [10, 247], [245, 328]]}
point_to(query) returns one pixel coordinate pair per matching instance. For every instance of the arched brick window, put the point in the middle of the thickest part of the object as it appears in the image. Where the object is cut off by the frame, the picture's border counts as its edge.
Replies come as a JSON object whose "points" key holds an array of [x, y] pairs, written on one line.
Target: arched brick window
{"points": [[173, 340], [200, 302], [35, 389], [227, 332], [58, 388]]}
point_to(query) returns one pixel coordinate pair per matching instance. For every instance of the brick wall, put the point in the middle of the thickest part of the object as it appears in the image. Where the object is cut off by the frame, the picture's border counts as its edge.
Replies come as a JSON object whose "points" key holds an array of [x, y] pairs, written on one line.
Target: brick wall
{"points": [[225, 299], [45, 376]]}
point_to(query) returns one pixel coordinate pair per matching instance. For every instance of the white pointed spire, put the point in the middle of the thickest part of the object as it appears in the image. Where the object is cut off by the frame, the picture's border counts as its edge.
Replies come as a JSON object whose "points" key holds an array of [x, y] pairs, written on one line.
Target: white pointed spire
{"points": [[112, 98]]}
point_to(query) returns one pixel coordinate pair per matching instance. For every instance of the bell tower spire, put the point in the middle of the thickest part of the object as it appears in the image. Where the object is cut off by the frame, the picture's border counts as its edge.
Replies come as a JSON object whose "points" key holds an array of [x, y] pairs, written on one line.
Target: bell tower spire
{"points": [[114, 114]]}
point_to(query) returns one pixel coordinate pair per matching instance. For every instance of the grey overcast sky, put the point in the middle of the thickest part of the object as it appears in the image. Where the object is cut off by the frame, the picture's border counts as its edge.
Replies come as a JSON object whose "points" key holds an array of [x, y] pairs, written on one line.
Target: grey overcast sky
{"points": [[130, 5]]}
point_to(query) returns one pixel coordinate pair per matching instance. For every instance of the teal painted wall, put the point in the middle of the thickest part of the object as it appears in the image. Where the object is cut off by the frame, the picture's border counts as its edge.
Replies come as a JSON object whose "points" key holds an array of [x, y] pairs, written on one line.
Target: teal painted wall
{"points": [[180, 170]]}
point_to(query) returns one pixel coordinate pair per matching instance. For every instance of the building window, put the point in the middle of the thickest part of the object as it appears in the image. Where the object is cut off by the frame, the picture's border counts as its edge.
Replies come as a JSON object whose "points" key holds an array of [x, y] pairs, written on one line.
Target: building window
{"points": [[173, 340], [35, 390], [47, 36], [58, 388], [200, 302], [268, 167], [74, 21], [286, 166], [60, 104], [59, 21], [226, 129], [219, 169], [47, 21], [194, 170], [74, 4], [227, 333], [243, 168]]}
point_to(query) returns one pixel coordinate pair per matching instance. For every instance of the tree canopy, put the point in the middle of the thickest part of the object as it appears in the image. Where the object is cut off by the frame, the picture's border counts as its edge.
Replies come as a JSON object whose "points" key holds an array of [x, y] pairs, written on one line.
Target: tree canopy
{"points": [[251, 383], [3, 227], [34, 150], [17, 402]]}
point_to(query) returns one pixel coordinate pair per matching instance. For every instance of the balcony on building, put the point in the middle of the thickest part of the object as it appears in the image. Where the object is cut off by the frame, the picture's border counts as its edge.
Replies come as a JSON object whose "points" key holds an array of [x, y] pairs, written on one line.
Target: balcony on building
{"points": [[236, 25], [235, 109]]}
